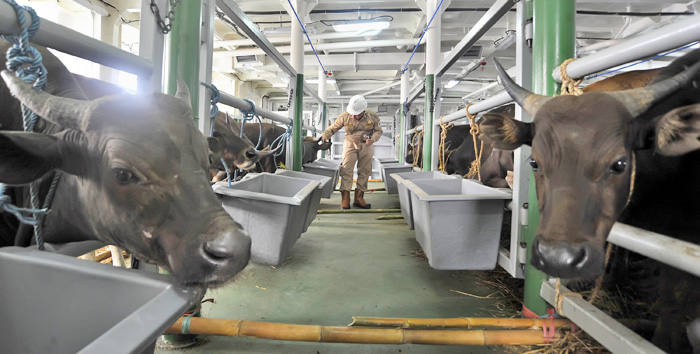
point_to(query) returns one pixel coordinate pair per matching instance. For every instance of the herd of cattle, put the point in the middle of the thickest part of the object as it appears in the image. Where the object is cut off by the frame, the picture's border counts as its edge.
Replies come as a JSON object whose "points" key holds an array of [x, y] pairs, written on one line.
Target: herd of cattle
{"points": [[137, 172]]}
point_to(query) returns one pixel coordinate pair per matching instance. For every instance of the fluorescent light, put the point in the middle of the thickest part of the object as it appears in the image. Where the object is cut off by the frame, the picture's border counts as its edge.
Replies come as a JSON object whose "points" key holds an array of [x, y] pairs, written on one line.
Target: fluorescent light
{"points": [[355, 26], [451, 84]]}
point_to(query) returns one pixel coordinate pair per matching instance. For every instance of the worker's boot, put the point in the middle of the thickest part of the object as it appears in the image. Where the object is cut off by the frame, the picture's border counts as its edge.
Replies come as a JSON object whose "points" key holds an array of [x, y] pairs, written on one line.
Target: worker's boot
{"points": [[345, 203], [360, 201]]}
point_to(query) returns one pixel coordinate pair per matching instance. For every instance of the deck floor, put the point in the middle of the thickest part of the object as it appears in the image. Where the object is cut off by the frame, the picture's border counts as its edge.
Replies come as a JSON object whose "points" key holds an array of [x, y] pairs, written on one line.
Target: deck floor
{"points": [[349, 265]]}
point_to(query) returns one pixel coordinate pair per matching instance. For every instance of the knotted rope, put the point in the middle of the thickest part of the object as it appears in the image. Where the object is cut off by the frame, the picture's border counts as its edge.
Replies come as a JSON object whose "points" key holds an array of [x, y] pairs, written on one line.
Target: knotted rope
{"points": [[475, 168], [417, 137], [569, 86], [444, 127], [26, 62], [280, 142], [249, 115]]}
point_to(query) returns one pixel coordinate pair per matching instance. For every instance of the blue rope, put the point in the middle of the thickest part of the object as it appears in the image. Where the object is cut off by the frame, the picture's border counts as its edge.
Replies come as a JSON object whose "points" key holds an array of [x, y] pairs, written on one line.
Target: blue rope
{"points": [[248, 115], [281, 142], [307, 37], [228, 173], [214, 111], [639, 62], [421, 37], [26, 62]]}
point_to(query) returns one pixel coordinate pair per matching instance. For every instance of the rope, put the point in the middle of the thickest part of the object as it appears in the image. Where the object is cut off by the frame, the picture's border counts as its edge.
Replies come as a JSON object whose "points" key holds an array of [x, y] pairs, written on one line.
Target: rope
{"points": [[26, 62], [559, 296], [214, 111], [248, 115], [417, 137], [475, 168], [444, 127], [599, 281], [281, 142], [569, 86], [421, 37], [228, 172], [307, 38]]}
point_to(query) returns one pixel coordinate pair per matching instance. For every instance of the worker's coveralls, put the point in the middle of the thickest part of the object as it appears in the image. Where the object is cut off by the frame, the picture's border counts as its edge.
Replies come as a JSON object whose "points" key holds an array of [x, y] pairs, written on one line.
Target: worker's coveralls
{"points": [[354, 147]]}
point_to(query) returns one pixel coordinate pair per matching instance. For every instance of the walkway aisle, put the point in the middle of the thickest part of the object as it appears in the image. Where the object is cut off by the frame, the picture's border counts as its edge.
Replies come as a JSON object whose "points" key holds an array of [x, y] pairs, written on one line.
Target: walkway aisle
{"points": [[345, 265]]}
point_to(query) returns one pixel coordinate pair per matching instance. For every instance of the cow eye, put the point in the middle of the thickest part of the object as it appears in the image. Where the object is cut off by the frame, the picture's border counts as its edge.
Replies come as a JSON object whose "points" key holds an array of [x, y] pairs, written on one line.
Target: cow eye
{"points": [[534, 164], [124, 176], [619, 166]]}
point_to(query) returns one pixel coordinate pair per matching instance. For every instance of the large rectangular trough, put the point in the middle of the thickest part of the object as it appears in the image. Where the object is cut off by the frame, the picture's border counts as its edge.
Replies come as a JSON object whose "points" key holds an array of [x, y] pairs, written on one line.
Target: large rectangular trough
{"points": [[405, 194], [272, 209], [457, 222], [53, 303], [389, 182], [323, 187], [382, 162], [325, 167]]}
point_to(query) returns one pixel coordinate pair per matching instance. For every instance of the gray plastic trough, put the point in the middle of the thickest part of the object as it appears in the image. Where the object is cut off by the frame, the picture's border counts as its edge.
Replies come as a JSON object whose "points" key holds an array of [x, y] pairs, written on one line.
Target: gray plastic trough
{"points": [[457, 222], [326, 168], [53, 303], [273, 210], [323, 187], [390, 182], [405, 194], [385, 161]]}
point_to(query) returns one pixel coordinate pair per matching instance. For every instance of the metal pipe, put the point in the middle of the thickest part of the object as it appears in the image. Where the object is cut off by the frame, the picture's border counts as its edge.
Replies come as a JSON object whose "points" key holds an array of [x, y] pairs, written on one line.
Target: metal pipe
{"points": [[485, 88], [680, 254], [284, 39], [323, 46], [242, 105], [666, 38], [381, 88], [614, 336], [58, 37]]}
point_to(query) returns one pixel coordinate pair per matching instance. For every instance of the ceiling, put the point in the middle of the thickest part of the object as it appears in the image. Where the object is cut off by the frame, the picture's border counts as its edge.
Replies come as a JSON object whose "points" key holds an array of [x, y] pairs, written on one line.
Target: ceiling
{"points": [[361, 63]]}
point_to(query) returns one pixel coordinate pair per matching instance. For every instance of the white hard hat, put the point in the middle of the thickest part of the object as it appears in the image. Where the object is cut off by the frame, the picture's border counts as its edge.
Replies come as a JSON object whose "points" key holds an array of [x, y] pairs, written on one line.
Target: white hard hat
{"points": [[357, 105]]}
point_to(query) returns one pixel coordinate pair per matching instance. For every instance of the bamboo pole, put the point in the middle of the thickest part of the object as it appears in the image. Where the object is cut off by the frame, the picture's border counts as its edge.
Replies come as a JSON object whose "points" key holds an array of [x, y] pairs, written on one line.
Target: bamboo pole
{"points": [[390, 217], [464, 322], [356, 211], [310, 333]]}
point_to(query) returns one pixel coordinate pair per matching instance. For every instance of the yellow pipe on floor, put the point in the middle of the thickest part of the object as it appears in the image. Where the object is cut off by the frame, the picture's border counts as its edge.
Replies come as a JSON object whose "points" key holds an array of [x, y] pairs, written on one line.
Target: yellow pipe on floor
{"points": [[464, 322], [310, 333]]}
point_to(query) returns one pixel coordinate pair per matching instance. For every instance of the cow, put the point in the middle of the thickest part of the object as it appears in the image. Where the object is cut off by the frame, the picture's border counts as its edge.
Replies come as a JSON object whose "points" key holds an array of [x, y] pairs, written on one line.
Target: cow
{"points": [[614, 156], [270, 133], [134, 175], [454, 137]]}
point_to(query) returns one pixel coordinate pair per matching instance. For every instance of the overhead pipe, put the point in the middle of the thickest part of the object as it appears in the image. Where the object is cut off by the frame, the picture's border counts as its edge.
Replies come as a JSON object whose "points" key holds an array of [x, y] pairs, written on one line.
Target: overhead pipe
{"points": [[284, 39], [397, 83], [242, 105], [666, 38], [323, 46], [338, 334]]}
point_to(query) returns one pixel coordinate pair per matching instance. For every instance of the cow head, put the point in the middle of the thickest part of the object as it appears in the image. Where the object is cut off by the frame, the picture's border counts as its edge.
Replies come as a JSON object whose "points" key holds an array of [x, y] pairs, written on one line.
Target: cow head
{"points": [[134, 176], [226, 142], [583, 161], [311, 148]]}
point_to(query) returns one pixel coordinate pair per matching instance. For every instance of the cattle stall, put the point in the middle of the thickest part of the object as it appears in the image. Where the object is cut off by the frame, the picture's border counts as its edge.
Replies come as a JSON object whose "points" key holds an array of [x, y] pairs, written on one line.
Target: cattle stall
{"points": [[264, 54]]}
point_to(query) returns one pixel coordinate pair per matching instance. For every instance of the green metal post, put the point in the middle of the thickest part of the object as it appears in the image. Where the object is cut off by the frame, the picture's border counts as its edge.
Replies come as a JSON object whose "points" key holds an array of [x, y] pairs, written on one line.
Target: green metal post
{"points": [[182, 61], [324, 123], [428, 123], [297, 139], [554, 41], [182, 50]]}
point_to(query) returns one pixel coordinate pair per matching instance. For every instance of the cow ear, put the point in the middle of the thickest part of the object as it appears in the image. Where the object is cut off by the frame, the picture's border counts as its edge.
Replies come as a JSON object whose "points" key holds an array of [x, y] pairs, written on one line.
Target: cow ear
{"points": [[504, 132], [214, 145], [25, 157], [678, 131]]}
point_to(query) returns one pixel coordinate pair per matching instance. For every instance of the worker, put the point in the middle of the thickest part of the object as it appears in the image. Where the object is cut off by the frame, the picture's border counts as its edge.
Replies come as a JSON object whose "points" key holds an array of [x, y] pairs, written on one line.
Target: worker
{"points": [[362, 130]]}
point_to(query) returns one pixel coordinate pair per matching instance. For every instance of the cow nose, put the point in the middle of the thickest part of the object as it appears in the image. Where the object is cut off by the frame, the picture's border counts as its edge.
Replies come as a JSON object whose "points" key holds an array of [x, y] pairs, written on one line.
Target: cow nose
{"points": [[251, 154], [233, 247], [566, 259]]}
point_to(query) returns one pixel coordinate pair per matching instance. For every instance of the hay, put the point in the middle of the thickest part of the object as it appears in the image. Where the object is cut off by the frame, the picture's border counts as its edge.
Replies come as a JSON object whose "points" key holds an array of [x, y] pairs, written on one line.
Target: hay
{"points": [[418, 253]]}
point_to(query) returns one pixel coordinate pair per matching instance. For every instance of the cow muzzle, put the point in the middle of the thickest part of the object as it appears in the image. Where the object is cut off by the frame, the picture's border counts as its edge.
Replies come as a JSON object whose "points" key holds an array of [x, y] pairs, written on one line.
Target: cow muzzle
{"points": [[568, 260]]}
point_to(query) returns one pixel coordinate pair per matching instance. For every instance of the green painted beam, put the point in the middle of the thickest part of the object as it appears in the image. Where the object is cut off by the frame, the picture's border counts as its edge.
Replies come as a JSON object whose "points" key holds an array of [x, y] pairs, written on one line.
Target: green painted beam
{"points": [[428, 123], [297, 138], [554, 38]]}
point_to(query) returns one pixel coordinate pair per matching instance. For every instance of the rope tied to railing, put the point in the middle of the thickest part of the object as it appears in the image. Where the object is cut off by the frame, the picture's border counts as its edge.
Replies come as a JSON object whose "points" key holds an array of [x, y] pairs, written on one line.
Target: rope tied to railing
{"points": [[26, 62], [474, 130], [214, 110], [249, 115], [569, 86], [280, 142], [417, 137], [444, 127]]}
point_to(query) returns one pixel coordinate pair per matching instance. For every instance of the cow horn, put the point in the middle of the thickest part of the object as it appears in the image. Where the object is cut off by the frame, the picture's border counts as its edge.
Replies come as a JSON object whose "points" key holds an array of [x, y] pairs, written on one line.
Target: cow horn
{"points": [[183, 92], [529, 101], [266, 153], [638, 100], [66, 112]]}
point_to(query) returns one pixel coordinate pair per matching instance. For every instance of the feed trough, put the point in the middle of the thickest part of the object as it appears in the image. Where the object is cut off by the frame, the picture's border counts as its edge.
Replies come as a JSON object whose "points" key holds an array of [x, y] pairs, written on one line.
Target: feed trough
{"points": [[53, 303], [323, 188], [457, 222], [405, 195], [389, 182], [272, 209], [325, 167]]}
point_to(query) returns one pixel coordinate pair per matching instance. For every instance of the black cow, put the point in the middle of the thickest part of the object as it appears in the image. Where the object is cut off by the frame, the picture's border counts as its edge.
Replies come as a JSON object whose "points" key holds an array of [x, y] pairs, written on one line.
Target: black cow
{"points": [[602, 157], [270, 132], [455, 136], [134, 175]]}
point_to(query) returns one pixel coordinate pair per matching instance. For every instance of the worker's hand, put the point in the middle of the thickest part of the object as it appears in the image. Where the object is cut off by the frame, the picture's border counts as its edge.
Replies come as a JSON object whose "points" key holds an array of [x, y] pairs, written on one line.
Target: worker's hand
{"points": [[369, 141]]}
